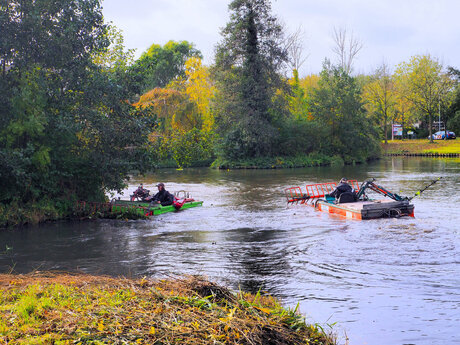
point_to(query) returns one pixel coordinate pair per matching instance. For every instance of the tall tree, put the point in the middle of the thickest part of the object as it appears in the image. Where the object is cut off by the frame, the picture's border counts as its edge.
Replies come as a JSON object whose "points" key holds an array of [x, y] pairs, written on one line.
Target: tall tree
{"points": [[430, 86], [248, 62], [380, 97]]}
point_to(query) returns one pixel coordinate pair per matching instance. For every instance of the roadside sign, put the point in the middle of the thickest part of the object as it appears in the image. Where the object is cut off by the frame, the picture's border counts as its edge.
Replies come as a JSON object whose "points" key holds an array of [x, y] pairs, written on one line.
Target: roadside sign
{"points": [[397, 130]]}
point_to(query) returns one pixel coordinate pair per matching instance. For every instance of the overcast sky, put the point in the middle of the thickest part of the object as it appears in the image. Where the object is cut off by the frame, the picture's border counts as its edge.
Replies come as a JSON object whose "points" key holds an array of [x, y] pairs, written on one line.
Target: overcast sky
{"points": [[390, 30]]}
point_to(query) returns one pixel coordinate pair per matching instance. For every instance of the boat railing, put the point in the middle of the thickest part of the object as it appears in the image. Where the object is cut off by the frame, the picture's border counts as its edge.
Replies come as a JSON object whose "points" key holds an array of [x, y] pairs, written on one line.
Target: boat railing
{"points": [[294, 194], [314, 191], [319, 190]]}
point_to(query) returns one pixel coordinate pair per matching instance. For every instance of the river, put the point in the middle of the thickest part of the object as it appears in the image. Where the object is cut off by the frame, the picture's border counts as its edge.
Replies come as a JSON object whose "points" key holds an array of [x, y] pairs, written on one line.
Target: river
{"points": [[386, 281]]}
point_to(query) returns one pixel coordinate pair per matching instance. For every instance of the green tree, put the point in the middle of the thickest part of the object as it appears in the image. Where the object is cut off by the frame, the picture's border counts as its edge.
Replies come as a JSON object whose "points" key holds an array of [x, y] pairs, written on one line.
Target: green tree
{"points": [[298, 101], [115, 57], [160, 65], [453, 113], [336, 104], [248, 62], [66, 130]]}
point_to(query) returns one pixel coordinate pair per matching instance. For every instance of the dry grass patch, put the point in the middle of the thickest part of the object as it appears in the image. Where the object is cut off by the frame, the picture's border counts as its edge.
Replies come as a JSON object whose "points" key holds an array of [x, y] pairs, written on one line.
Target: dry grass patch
{"points": [[45, 308]]}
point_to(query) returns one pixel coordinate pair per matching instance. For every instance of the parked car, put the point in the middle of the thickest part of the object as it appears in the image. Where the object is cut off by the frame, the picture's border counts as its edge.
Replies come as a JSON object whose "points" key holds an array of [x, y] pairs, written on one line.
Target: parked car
{"points": [[441, 134]]}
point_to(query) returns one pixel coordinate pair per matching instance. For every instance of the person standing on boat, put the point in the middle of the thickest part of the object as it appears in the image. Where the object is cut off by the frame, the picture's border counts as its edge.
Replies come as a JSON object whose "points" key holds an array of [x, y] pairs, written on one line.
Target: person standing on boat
{"points": [[163, 197], [342, 187]]}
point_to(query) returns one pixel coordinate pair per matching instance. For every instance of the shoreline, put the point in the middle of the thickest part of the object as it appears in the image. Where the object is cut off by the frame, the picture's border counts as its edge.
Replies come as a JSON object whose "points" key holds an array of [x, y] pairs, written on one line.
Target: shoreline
{"points": [[421, 148], [433, 155], [47, 307]]}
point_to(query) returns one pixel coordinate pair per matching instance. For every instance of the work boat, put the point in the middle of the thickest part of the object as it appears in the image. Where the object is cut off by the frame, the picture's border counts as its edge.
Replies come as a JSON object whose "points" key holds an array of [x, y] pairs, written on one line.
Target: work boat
{"points": [[182, 201], [354, 206]]}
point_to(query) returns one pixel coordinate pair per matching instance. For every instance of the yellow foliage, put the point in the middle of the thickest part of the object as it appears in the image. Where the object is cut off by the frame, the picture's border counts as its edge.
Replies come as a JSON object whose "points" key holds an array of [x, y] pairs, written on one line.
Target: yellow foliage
{"points": [[309, 83], [170, 105], [200, 89]]}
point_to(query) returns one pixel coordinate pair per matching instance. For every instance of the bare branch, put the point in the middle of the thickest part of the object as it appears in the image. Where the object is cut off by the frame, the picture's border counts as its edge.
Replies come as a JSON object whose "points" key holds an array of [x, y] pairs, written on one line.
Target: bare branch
{"points": [[345, 48], [294, 44]]}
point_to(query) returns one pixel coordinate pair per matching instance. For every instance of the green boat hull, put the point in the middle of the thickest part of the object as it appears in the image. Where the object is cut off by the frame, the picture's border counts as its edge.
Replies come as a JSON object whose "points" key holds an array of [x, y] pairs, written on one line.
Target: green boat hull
{"points": [[144, 208]]}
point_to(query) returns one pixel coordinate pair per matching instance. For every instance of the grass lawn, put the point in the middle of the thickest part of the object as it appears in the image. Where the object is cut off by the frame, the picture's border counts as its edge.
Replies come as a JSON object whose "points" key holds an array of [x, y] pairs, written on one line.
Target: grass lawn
{"points": [[422, 146]]}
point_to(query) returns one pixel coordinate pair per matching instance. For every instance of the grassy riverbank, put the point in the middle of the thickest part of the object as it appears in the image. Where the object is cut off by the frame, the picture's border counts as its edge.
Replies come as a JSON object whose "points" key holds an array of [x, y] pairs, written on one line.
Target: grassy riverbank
{"points": [[73, 309], [33, 213], [421, 147], [301, 161]]}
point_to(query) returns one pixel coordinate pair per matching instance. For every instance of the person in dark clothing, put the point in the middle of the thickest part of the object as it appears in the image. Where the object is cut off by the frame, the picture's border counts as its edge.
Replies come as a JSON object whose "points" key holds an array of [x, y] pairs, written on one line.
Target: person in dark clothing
{"points": [[163, 197], [342, 187]]}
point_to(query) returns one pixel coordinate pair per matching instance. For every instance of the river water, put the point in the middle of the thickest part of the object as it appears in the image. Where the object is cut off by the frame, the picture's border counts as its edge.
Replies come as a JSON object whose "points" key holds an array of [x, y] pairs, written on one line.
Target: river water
{"points": [[387, 281]]}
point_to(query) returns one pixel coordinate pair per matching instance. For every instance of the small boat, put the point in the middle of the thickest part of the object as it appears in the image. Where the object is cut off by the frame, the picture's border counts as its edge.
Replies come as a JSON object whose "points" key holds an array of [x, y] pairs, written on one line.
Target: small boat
{"points": [[182, 201], [148, 209], [360, 207]]}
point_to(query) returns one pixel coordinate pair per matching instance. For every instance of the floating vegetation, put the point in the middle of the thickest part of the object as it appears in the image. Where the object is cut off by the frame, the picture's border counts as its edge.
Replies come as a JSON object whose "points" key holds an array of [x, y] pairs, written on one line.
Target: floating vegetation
{"points": [[45, 308]]}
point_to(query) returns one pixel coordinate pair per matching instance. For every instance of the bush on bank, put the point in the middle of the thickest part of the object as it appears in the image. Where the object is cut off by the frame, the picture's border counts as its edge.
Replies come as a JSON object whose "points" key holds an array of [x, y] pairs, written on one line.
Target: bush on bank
{"points": [[69, 309]]}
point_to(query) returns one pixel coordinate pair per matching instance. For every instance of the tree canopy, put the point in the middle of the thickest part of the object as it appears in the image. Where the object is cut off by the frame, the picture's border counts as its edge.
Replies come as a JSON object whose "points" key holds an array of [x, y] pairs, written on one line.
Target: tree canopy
{"points": [[65, 124], [159, 65]]}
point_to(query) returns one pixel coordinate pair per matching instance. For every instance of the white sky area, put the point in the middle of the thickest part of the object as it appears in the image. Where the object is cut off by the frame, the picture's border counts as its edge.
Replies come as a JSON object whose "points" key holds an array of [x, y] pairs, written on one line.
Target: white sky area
{"points": [[390, 30]]}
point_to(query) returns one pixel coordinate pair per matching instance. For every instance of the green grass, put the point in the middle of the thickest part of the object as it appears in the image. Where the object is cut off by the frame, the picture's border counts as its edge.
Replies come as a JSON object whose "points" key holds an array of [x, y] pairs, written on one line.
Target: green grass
{"points": [[422, 146]]}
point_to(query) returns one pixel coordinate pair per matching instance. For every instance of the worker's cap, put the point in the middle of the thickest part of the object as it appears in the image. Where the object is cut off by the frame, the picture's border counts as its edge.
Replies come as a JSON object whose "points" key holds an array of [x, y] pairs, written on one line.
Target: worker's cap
{"points": [[344, 180], [160, 184]]}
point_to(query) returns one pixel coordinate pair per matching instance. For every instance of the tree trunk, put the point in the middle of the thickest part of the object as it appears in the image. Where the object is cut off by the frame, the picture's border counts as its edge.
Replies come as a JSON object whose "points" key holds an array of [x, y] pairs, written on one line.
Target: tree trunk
{"points": [[385, 126], [402, 122], [430, 127]]}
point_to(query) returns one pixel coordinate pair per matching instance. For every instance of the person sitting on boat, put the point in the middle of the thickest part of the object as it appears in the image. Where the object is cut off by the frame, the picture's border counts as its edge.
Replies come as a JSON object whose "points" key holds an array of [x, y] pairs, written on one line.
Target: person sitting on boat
{"points": [[163, 197], [344, 192], [141, 194]]}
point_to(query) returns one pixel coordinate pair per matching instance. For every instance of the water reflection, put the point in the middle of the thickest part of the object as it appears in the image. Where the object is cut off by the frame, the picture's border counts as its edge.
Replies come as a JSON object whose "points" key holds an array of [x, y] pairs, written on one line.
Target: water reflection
{"points": [[392, 279]]}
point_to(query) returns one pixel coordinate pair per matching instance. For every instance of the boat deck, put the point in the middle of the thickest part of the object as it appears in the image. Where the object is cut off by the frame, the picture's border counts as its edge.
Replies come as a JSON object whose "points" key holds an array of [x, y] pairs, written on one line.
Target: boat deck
{"points": [[368, 209]]}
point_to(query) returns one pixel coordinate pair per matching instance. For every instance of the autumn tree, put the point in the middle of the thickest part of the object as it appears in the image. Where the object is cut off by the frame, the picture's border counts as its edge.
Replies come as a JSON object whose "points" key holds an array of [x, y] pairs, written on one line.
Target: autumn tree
{"points": [[200, 88], [379, 96], [429, 85], [185, 119], [173, 109], [248, 62], [404, 108]]}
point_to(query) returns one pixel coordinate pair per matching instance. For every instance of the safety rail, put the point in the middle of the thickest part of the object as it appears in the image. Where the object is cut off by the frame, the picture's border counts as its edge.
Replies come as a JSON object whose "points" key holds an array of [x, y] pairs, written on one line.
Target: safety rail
{"points": [[319, 190], [314, 191], [354, 184], [294, 194]]}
